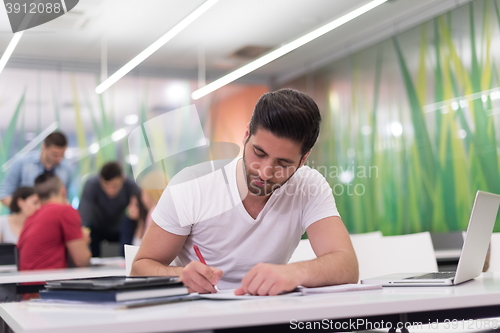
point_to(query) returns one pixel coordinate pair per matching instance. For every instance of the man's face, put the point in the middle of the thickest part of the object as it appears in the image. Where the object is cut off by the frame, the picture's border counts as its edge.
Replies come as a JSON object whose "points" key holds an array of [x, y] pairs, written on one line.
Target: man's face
{"points": [[112, 187], [269, 161], [53, 155]]}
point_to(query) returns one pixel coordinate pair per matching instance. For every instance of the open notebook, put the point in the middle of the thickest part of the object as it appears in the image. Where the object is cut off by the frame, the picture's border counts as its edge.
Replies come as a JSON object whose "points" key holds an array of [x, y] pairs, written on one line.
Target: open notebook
{"points": [[299, 291]]}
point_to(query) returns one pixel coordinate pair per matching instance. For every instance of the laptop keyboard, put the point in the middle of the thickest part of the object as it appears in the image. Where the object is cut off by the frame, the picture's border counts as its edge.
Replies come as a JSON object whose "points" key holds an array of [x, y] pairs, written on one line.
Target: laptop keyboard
{"points": [[437, 275]]}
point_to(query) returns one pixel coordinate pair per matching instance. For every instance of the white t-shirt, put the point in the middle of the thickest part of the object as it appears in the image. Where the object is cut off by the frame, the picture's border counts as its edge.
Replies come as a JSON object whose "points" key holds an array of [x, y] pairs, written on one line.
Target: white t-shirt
{"points": [[207, 206], [8, 235]]}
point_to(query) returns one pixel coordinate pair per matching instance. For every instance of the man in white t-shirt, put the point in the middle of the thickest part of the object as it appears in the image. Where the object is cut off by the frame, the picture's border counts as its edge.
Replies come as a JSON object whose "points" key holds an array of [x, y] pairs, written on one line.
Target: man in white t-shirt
{"points": [[247, 216]]}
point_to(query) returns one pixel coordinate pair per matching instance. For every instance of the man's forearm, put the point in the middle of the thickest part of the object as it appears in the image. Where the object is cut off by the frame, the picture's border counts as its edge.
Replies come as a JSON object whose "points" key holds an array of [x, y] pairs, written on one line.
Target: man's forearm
{"points": [[150, 267], [333, 268]]}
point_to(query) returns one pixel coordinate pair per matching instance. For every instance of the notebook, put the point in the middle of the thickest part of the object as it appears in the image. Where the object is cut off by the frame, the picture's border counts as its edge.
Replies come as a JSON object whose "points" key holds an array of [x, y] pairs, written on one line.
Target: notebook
{"points": [[474, 249], [112, 295], [113, 289], [114, 283]]}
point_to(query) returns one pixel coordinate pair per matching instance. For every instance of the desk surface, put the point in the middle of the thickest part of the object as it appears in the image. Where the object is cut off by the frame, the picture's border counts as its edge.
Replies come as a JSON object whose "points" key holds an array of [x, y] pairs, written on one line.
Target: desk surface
{"points": [[208, 314], [58, 274]]}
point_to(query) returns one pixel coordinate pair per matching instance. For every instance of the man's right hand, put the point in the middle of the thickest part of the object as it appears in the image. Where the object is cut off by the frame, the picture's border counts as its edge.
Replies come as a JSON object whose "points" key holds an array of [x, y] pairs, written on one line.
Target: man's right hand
{"points": [[200, 278]]}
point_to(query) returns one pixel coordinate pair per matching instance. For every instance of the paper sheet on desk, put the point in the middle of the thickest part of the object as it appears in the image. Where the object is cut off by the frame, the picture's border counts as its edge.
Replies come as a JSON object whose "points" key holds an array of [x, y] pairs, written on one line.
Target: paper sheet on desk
{"points": [[338, 288], [229, 294]]}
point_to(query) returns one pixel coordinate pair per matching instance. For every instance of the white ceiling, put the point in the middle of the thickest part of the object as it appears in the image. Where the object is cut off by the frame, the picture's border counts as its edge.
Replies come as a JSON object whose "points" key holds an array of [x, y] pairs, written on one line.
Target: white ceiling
{"points": [[74, 40]]}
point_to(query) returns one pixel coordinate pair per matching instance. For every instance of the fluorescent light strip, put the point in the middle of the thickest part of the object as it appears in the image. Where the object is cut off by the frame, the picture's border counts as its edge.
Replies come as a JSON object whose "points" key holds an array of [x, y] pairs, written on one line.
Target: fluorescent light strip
{"points": [[273, 55], [8, 52], [155, 46]]}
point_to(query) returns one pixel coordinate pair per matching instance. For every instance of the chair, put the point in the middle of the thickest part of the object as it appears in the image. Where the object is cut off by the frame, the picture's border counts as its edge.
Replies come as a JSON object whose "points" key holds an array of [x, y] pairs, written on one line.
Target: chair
{"points": [[304, 251], [411, 253], [8, 257], [495, 252], [130, 253]]}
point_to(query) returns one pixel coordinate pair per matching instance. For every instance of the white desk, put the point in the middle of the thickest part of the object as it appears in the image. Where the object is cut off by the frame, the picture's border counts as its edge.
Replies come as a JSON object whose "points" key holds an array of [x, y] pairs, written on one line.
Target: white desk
{"points": [[466, 301], [59, 274], [9, 281]]}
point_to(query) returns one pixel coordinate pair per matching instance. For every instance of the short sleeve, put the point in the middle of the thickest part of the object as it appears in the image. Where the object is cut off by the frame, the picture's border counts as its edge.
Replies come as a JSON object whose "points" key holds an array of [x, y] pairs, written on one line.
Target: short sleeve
{"points": [[71, 224], [165, 215], [12, 180], [319, 201]]}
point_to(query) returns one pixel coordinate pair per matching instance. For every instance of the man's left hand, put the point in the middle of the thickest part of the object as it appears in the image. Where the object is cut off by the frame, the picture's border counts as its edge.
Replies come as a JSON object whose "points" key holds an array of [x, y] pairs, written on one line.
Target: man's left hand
{"points": [[268, 279]]}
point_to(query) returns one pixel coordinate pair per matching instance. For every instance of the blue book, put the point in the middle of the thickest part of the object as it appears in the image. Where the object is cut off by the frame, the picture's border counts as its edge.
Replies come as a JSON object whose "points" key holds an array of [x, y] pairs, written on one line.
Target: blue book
{"points": [[112, 295]]}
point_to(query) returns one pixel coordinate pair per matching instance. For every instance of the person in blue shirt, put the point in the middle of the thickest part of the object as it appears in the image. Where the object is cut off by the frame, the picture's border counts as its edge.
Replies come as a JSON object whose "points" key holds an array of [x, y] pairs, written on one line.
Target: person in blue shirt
{"points": [[24, 170]]}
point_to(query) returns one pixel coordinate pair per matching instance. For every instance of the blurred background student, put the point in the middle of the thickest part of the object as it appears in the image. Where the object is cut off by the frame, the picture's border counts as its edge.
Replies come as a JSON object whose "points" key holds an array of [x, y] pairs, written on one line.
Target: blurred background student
{"points": [[24, 202], [54, 231], [24, 170], [103, 204], [140, 209]]}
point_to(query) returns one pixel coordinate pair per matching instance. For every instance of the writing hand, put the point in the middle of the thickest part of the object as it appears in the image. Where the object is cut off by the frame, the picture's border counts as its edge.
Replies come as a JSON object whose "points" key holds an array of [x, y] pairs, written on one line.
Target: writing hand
{"points": [[268, 279], [200, 278]]}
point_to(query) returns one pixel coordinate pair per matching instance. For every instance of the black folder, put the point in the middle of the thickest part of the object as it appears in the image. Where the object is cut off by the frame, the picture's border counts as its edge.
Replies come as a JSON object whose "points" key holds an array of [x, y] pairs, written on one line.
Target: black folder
{"points": [[115, 283]]}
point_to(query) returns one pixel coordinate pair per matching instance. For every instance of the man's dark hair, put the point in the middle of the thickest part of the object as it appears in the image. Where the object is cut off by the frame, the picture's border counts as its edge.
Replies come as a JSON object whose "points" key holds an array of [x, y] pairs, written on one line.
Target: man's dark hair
{"points": [[111, 170], [56, 139], [21, 193], [289, 114], [46, 185]]}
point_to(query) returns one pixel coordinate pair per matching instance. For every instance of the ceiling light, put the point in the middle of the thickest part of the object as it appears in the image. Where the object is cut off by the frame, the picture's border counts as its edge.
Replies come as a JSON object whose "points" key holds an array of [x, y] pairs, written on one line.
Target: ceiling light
{"points": [[10, 48], [132, 159], [131, 119], [273, 55], [120, 134], [155, 46], [177, 93], [346, 177], [94, 148], [396, 129]]}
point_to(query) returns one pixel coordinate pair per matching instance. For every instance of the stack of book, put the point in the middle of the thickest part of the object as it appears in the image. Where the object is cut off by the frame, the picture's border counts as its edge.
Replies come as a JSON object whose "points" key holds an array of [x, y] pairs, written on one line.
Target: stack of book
{"points": [[114, 291]]}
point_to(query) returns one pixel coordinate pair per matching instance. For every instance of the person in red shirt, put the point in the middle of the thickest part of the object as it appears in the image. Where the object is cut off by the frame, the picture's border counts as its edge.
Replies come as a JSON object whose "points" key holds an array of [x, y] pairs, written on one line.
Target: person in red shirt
{"points": [[54, 231]]}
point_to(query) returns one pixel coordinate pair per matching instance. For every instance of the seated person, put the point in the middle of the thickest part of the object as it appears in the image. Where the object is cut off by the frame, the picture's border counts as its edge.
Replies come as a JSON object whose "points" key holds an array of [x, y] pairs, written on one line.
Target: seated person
{"points": [[141, 209], [23, 204], [53, 231], [133, 223], [103, 203], [248, 216]]}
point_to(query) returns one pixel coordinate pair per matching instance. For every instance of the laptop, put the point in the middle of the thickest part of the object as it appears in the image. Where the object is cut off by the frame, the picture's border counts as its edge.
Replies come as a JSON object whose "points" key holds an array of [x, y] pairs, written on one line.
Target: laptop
{"points": [[470, 264]]}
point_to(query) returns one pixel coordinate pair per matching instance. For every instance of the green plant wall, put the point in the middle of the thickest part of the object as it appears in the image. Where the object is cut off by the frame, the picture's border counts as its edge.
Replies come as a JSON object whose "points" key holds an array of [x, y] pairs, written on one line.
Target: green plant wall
{"points": [[411, 125]]}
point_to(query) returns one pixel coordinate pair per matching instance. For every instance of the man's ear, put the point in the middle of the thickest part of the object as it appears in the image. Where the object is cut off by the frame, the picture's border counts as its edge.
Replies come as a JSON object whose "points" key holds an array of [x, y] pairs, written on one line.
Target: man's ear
{"points": [[304, 158], [247, 134], [63, 192]]}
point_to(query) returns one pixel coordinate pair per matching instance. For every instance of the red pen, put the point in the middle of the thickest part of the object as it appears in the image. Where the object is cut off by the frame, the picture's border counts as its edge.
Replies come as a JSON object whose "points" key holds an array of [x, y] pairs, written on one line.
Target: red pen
{"points": [[202, 260], [199, 255]]}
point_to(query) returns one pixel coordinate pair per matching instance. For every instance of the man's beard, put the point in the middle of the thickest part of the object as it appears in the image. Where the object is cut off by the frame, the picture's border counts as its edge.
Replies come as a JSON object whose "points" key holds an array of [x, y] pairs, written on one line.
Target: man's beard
{"points": [[260, 191]]}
